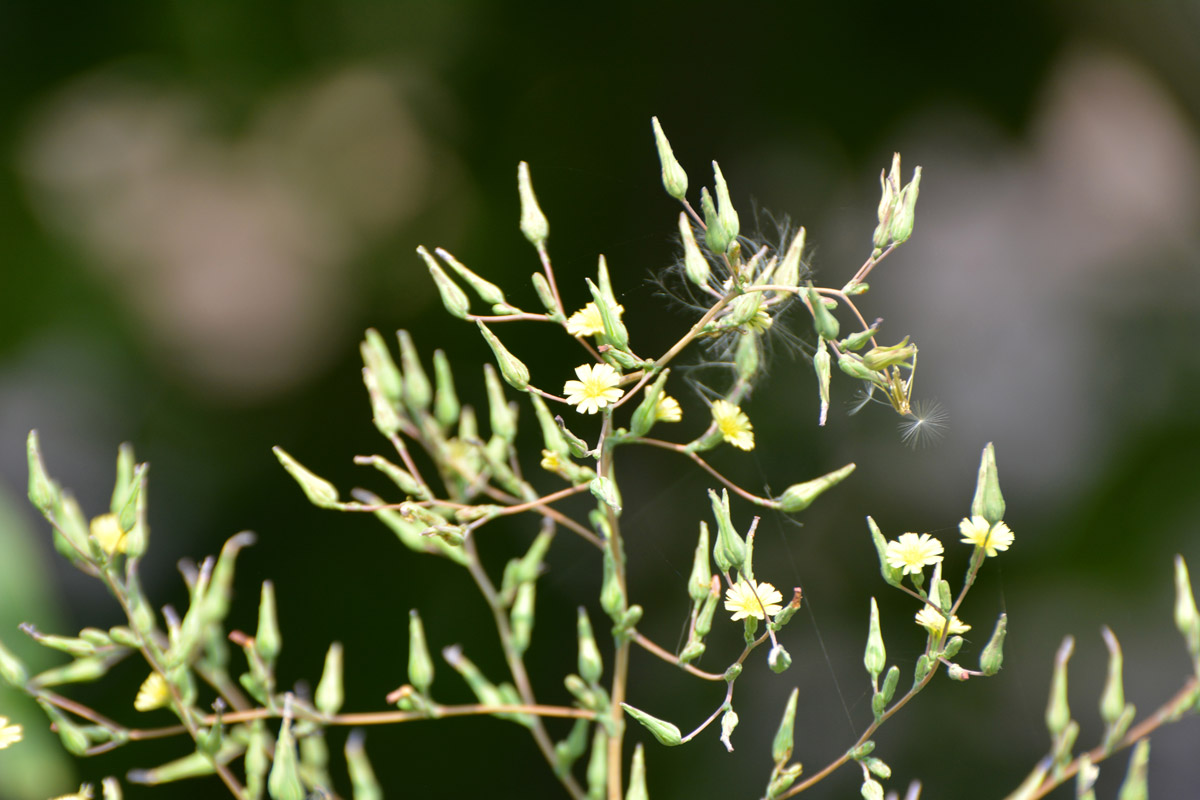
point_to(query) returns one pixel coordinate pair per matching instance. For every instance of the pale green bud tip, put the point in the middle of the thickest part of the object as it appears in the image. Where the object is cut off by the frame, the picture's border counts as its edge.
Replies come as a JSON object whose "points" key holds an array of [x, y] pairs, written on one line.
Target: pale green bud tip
{"points": [[591, 667], [674, 179], [267, 640], [781, 748], [1112, 699], [872, 790], [800, 496], [992, 656], [725, 211], [825, 324], [533, 221], [665, 732], [284, 781], [515, 373], [988, 501], [1058, 712], [329, 694], [319, 491], [694, 263], [875, 657]]}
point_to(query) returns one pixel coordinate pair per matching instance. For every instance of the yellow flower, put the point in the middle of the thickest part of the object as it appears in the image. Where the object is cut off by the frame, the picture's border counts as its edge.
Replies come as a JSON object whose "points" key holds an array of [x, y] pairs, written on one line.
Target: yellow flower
{"points": [[153, 694], [107, 530], [752, 599], [587, 321], [734, 425], [550, 461], [991, 538], [912, 552], [667, 409], [595, 389], [933, 621], [9, 734], [84, 793]]}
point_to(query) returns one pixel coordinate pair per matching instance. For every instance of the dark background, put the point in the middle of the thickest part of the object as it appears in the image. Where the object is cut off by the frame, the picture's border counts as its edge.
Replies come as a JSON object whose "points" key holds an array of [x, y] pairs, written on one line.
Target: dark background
{"points": [[204, 205]]}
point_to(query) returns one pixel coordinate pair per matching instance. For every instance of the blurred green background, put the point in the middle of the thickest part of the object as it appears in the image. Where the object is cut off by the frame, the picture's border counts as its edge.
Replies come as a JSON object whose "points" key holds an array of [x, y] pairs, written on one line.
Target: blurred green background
{"points": [[203, 205]]}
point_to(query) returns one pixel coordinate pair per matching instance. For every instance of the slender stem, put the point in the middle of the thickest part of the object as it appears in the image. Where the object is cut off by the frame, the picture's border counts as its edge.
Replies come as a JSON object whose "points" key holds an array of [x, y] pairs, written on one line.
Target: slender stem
{"points": [[682, 450], [507, 317], [544, 257], [620, 670], [650, 647]]}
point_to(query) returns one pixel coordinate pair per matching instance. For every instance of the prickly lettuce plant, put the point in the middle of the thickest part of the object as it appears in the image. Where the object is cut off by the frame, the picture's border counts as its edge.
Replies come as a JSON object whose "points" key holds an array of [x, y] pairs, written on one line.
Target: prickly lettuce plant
{"points": [[451, 479]]}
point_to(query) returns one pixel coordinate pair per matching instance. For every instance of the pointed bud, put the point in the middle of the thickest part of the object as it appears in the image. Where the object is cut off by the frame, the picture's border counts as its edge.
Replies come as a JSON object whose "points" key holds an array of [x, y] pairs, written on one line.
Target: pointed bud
{"points": [[614, 329], [646, 414], [856, 340], [825, 324], [800, 496], [329, 694], [591, 667], [922, 669], [992, 656], [853, 366], [788, 271], [320, 492], [604, 489], [730, 549], [781, 749], [515, 373], [377, 358], [889, 195], [267, 640], [892, 575], [875, 657], [1135, 787], [988, 502], [1112, 699], [664, 731], [695, 265], [501, 416], [72, 736], [612, 596], [879, 359], [906, 210], [417, 390], [726, 215], [126, 486], [1187, 619], [453, 297], [705, 618], [284, 781], [822, 368], [43, 492], [420, 665], [888, 690], [445, 400], [533, 221], [637, 776], [1058, 712], [552, 435], [383, 412], [716, 238], [953, 645], [745, 355], [545, 294], [488, 292], [521, 616], [700, 581], [674, 179], [597, 766]]}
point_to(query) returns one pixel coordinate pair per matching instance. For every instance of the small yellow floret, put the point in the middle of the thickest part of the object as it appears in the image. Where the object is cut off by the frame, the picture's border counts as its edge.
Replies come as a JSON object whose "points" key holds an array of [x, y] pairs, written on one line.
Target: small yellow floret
{"points": [[107, 530], [734, 425], [933, 621], [991, 538], [595, 389], [753, 599], [667, 409], [9, 734], [153, 694], [587, 321], [912, 552]]}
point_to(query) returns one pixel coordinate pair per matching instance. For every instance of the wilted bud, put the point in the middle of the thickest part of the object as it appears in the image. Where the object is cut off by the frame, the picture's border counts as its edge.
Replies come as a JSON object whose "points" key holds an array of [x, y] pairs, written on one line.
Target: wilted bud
{"points": [[906, 210], [992, 656], [284, 781], [800, 496], [889, 195], [1058, 712], [824, 322], [515, 373], [267, 639], [445, 399], [730, 550], [988, 502], [453, 297], [320, 492], [673, 177], [329, 694], [420, 665], [533, 221], [878, 359], [591, 667], [664, 731], [729, 721], [695, 265], [875, 657]]}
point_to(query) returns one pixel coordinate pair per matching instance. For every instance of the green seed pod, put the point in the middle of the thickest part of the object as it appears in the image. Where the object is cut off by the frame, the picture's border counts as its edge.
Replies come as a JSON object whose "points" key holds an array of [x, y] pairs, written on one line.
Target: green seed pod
{"points": [[420, 665], [888, 690], [320, 492], [730, 550], [267, 640], [488, 292], [800, 496], [81, 670], [664, 731], [691, 652], [533, 221], [988, 501], [329, 694], [824, 322], [453, 297], [674, 179], [362, 777], [445, 400], [993, 653], [514, 371], [705, 618], [953, 645], [1058, 712], [875, 657], [591, 667], [924, 663], [125, 485], [878, 768], [545, 294], [695, 265]]}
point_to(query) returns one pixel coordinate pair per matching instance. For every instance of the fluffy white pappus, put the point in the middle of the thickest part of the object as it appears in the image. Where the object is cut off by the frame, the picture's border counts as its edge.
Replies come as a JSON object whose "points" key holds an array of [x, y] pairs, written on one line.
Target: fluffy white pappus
{"points": [[925, 425]]}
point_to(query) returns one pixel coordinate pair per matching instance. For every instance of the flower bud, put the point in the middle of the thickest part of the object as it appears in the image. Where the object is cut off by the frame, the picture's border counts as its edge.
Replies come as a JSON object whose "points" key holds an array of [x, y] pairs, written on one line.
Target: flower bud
{"points": [[1112, 699], [695, 265], [716, 238], [906, 210], [700, 581], [872, 790], [1187, 618], [597, 766], [879, 359], [485, 691], [546, 295], [329, 694], [856, 340], [781, 749], [800, 496], [888, 690], [502, 417], [646, 414], [383, 413], [637, 776], [730, 550], [488, 292], [320, 492], [417, 389], [453, 297], [1058, 712], [953, 645], [521, 616], [892, 575], [614, 329], [705, 618], [604, 489], [852, 365], [612, 595], [988, 502], [378, 360], [43, 492], [1135, 787], [267, 639], [533, 221], [591, 667], [446, 407], [992, 656], [420, 665], [824, 322], [745, 355], [284, 781], [11, 668], [72, 736], [664, 731], [875, 657], [515, 373], [778, 659], [788, 271], [726, 214], [674, 179]]}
